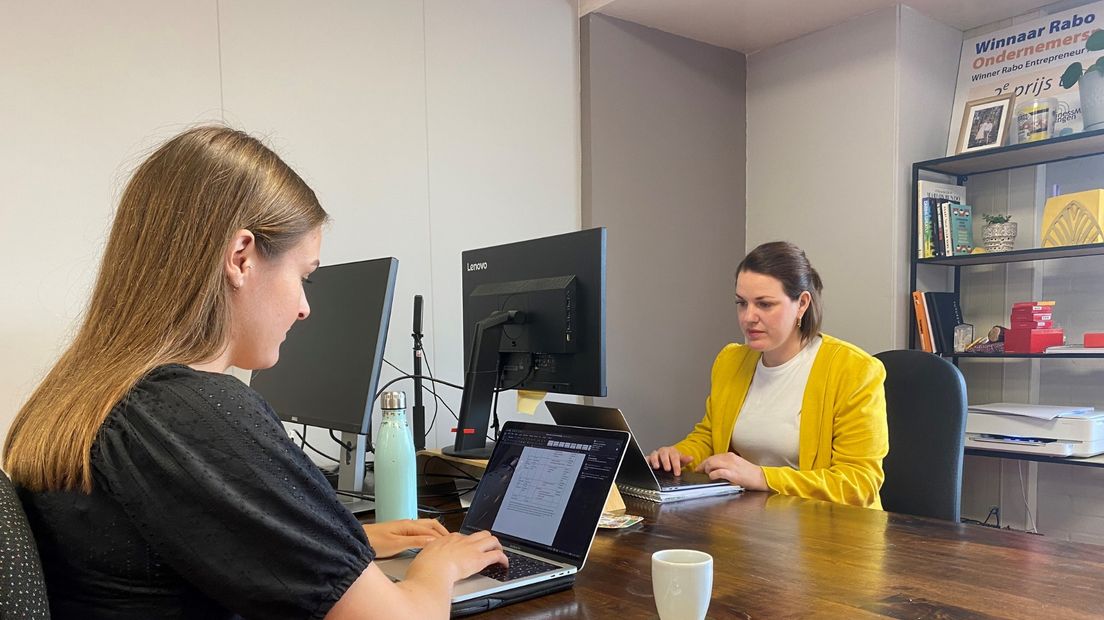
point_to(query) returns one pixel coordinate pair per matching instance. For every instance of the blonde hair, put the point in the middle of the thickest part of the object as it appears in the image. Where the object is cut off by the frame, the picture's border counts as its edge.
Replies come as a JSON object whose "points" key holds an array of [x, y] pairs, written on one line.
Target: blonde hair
{"points": [[161, 295]]}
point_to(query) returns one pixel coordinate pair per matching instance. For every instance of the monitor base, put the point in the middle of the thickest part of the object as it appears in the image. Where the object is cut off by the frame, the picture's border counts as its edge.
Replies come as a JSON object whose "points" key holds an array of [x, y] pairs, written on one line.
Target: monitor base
{"points": [[483, 453]]}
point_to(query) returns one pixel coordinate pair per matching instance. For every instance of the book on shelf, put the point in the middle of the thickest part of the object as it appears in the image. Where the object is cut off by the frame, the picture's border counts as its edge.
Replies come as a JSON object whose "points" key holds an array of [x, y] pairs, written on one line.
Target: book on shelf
{"points": [[944, 313], [1022, 315], [962, 229], [952, 226], [947, 249], [923, 326], [935, 191], [925, 241], [1033, 306]]}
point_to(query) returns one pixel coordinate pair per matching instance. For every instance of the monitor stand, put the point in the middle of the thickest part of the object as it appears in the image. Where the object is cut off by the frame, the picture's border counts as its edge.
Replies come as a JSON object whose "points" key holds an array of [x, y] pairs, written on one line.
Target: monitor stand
{"points": [[350, 477], [480, 383]]}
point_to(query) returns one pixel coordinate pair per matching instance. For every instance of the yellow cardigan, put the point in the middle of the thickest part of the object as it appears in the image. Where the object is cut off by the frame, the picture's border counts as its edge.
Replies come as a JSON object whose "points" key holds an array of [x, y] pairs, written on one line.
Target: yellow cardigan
{"points": [[842, 435]]}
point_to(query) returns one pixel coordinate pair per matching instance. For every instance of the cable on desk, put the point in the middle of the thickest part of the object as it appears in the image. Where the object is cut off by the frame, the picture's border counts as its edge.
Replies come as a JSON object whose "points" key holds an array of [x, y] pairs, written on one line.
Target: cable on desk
{"points": [[1027, 508], [433, 511], [529, 373], [316, 450], [383, 389], [421, 508], [437, 400], [455, 493], [348, 447], [430, 378], [425, 466]]}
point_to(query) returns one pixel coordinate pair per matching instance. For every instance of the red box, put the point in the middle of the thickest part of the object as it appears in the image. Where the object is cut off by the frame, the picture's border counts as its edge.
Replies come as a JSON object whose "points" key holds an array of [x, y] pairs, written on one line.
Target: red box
{"points": [[1018, 324], [1035, 306], [1032, 340], [1094, 339], [1031, 316]]}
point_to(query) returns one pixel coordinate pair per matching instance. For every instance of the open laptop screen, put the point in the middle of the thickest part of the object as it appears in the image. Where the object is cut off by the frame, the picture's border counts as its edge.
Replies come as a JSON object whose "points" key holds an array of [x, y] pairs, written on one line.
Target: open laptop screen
{"points": [[542, 482]]}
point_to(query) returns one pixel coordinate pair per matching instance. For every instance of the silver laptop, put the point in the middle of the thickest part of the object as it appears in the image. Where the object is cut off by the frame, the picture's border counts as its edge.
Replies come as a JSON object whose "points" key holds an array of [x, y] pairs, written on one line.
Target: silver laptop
{"points": [[542, 494], [636, 473]]}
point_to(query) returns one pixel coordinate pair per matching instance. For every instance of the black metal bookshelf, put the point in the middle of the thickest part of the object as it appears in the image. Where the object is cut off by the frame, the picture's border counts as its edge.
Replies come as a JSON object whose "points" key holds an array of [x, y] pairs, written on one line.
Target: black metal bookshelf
{"points": [[1016, 256], [1073, 146], [1062, 148]]}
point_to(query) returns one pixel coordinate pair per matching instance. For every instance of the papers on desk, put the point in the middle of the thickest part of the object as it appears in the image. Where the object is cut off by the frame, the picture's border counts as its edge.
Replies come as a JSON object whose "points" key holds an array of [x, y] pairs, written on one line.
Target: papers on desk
{"points": [[1039, 412], [1075, 349]]}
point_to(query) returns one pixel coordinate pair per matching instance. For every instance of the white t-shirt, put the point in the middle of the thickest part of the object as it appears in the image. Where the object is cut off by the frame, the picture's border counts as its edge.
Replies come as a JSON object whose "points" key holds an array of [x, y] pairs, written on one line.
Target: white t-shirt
{"points": [[766, 431]]}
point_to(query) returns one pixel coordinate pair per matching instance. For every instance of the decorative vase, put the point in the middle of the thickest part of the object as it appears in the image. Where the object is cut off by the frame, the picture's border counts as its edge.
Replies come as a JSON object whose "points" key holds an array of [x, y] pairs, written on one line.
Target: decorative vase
{"points": [[998, 237], [1092, 100]]}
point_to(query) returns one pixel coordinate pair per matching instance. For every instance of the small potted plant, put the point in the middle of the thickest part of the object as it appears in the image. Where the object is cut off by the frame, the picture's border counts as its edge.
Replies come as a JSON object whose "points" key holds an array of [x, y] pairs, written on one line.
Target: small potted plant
{"points": [[999, 232], [1092, 83]]}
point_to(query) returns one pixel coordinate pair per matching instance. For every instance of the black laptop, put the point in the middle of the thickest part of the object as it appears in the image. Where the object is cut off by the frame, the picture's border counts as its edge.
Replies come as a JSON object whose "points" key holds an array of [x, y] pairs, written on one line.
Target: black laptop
{"points": [[637, 478], [542, 495]]}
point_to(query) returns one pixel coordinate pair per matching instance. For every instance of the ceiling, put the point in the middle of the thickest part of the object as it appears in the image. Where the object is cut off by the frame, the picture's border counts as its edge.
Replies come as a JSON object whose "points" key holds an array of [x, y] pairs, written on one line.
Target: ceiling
{"points": [[751, 25]]}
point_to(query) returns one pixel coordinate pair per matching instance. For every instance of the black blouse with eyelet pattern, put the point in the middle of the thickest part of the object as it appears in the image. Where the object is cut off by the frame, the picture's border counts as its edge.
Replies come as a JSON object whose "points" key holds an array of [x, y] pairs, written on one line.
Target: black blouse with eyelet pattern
{"points": [[201, 508]]}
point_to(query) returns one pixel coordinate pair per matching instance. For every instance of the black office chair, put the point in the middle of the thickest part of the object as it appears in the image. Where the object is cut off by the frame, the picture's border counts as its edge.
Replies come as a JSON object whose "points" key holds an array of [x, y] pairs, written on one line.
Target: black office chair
{"points": [[926, 411], [22, 588]]}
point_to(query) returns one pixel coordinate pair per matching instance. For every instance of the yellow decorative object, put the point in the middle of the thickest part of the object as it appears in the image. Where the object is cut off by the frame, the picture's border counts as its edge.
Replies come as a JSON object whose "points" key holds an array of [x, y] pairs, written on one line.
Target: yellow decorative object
{"points": [[1074, 219], [978, 250]]}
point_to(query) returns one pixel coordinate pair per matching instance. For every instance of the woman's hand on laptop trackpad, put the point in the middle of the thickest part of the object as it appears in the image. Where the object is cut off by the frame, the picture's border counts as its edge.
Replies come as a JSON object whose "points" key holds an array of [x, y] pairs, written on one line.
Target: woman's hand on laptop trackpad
{"points": [[394, 537], [668, 458]]}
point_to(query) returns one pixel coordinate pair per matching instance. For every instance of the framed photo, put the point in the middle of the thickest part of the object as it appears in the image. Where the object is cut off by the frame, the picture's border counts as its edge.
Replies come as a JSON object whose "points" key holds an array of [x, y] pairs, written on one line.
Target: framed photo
{"points": [[985, 123]]}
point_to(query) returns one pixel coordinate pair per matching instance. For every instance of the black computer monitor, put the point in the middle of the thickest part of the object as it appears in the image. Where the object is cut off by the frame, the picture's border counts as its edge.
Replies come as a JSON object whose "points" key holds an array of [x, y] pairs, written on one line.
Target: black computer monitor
{"points": [[534, 319], [329, 365]]}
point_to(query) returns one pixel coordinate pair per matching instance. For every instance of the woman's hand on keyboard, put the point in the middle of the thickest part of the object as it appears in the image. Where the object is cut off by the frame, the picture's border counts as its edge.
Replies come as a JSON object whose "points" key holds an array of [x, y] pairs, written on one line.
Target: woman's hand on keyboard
{"points": [[668, 458], [457, 556], [736, 469], [392, 537]]}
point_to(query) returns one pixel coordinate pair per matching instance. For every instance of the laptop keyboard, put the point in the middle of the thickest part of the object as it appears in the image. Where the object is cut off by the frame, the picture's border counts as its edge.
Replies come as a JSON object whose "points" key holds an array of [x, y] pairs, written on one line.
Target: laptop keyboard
{"points": [[520, 566], [687, 477]]}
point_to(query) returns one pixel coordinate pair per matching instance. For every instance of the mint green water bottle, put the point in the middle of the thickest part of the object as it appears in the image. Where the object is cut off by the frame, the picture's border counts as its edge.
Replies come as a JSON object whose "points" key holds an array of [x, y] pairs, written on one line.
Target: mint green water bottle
{"points": [[396, 484]]}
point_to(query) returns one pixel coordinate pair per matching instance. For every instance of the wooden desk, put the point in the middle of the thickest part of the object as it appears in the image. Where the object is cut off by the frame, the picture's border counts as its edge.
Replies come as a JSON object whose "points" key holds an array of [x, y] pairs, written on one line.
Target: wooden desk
{"points": [[777, 556]]}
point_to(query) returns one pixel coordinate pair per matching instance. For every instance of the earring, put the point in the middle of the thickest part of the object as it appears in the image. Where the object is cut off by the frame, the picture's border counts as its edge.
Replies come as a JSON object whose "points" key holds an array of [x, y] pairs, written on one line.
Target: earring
{"points": [[799, 322]]}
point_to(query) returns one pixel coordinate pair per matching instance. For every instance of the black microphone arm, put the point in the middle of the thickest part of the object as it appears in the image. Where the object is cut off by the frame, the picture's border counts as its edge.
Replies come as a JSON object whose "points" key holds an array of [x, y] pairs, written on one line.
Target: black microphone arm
{"points": [[418, 411]]}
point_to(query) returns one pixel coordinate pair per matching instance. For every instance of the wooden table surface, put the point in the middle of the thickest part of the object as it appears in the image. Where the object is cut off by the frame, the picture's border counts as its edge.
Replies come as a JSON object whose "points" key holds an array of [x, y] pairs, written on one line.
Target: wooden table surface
{"points": [[777, 556]]}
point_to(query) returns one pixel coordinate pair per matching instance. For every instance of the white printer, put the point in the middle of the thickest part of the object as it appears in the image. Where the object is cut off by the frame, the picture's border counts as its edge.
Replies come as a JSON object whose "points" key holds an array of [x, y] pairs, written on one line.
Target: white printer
{"points": [[1036, 429]]}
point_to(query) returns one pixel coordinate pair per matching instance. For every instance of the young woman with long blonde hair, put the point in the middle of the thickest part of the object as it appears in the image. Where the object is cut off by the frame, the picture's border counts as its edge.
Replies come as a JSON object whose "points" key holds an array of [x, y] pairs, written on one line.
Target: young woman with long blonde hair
{"points": [[158, 486]]}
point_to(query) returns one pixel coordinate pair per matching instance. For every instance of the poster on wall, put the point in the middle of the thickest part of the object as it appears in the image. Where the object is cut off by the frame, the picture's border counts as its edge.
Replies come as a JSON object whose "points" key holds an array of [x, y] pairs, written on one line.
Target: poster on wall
{"points": [[1028, 60]]}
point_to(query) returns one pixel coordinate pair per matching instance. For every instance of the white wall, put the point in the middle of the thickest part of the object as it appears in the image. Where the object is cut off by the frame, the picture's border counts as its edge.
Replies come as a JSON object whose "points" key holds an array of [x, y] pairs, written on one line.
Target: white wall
{"points": [[85, 90], [663, 153], [821, 165], [834, 119], [425, 128]]}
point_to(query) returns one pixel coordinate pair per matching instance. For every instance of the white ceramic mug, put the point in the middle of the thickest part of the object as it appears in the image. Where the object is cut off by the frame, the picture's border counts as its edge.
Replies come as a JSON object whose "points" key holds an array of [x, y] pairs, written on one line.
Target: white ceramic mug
{"points": [[682, 582]]}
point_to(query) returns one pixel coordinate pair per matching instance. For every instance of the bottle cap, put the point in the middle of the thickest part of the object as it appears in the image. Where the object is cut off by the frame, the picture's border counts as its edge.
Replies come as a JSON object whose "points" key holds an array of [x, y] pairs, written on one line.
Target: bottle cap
{"points": [[393, 400]]}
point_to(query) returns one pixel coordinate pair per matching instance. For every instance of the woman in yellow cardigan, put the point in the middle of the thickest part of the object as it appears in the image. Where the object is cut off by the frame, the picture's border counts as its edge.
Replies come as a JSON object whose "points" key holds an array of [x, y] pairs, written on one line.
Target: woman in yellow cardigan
{"points": [[792, 411]]}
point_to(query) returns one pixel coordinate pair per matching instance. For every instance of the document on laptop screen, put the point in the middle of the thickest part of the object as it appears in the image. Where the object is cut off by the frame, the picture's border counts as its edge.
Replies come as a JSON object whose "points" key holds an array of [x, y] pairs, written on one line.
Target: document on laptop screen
{"points": [[537, 496], [543, 486]]}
